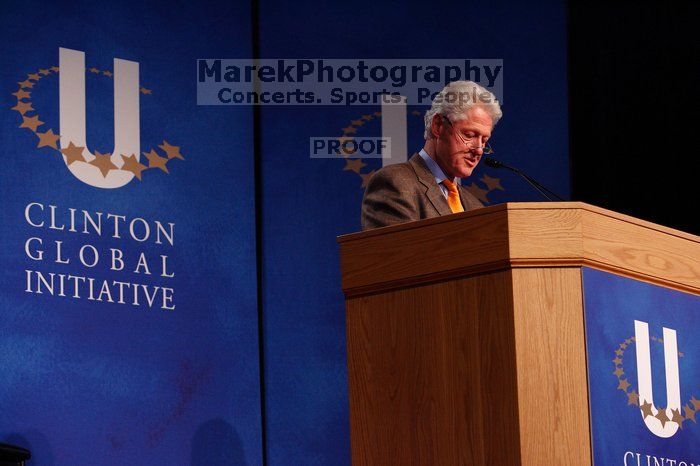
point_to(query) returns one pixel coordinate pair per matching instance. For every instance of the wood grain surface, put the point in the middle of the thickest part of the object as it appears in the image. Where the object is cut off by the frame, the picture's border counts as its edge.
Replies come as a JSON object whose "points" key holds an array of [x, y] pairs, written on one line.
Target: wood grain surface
{"points": [[432, 375], [516, 235]]}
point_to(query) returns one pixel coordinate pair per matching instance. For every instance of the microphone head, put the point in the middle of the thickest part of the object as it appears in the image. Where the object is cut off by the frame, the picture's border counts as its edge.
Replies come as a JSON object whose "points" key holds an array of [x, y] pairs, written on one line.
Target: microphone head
{"points": [[493, 163]]}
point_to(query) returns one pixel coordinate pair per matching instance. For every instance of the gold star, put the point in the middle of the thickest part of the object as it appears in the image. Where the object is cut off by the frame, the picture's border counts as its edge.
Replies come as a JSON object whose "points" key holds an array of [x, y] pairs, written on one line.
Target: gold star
{"points": [[619, 352], [618, 372], [347, 149], [31, 122], [23, 107], [662, 416], [377, 114], [34, 76], [677, 417], [73, 153], [156, 161], [365, 178], [689, 413], [27, 83], [696, 403], [492, 183], [357, 122], [628, 341], [633, 398], [478, 192], [623, 346], [415, 112], [103, 162], [145, 91], [680, 355], [349, 130], [624, 385], [132, 165], [646, 410], [617, 361], [21, 94], [55, 69], [367, 117], [94, 70], [171, 151], [107, 73], [48, 139], [43, 71], [354, 165]]}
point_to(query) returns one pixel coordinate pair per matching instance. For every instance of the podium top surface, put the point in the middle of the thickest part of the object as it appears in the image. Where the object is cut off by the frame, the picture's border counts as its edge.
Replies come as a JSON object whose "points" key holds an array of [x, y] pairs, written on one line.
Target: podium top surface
{"points": [[532, 234]]}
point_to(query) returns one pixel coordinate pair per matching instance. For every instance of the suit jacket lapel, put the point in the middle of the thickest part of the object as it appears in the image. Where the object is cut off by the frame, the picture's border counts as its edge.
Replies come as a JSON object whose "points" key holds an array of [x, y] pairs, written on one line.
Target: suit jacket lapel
{"points": [[432, 190]]}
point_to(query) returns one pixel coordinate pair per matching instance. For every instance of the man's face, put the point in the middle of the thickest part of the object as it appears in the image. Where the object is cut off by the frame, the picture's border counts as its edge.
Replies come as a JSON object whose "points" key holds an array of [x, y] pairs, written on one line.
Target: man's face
{"points": [[452, 154]]}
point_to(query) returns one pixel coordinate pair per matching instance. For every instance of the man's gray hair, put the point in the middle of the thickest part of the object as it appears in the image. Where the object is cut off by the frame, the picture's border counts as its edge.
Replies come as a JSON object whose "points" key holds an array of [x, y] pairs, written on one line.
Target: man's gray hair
{"points": [[455, 100]]}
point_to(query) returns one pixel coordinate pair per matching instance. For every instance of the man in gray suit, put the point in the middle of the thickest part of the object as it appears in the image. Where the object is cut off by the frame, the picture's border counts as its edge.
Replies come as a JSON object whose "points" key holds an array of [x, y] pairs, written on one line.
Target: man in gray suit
{"points": [[457, 129]]}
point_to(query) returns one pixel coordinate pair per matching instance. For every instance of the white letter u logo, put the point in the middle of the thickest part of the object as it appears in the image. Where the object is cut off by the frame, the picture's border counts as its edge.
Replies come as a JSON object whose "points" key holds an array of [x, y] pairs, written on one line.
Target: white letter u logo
{"points": [[673, 386], [127, 140]]}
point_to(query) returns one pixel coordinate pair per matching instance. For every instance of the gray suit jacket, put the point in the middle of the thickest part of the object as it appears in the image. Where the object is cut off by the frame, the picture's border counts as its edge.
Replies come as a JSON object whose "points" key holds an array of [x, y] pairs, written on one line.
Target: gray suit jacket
{"points": [[405, 192]]}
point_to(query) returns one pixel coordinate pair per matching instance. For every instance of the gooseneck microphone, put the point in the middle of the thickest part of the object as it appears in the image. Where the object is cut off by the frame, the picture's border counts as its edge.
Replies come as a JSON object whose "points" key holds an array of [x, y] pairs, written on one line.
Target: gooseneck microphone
{"points": [[493, 163]]}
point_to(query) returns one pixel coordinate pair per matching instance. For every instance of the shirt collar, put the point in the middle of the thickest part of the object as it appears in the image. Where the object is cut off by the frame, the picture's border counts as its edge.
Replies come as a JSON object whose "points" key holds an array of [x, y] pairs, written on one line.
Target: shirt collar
{"points": [[434, 168]]}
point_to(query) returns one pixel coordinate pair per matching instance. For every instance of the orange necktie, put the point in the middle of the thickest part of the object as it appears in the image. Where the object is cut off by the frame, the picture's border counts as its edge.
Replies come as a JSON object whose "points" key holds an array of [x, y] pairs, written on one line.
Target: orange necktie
{"points": [[453, 197]]}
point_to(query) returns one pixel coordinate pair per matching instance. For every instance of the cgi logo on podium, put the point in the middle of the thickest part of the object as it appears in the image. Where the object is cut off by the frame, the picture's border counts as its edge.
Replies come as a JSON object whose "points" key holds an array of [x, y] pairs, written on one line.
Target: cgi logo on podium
{"points": [[649, 334]]}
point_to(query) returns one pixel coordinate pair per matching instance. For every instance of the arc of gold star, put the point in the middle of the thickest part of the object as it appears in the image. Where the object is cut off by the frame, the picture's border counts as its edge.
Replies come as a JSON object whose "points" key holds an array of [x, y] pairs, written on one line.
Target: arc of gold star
{"points": [[107, 73], [623, 385], [349, 130], [103, 162], [357, 122], [23, 107], [21, 94], [416, 113], [617, 361], [55, 69], [677, 417], [73, 153], [48, 139], [173, 152], [94, 70], [696, 403], [156, 161], [365, 178], [689, 413], [367, 117], [646, 410], [31, 122], [618, 372], [492, 183], [479, 192], [26, 84], [633, 398], [145, 91], [662, 416], [33, 76], [44, 72], [619, 352], [354, 165], [132, 165]]}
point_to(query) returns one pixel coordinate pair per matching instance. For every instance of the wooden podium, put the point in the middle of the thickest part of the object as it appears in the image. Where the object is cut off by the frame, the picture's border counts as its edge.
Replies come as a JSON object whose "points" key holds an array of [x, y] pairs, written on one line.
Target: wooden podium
{"points": [[453, 324]]}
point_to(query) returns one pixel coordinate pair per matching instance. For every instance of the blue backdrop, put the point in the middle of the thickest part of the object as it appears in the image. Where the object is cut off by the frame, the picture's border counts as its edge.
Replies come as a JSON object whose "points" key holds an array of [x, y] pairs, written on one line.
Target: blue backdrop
{"points": [[90, 382], [308, 202]]}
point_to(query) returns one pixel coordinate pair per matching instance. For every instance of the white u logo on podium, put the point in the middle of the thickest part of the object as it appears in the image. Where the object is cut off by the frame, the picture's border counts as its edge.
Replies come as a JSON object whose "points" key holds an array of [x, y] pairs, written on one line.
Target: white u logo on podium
{"points": [[127, 139], [673, 386]]}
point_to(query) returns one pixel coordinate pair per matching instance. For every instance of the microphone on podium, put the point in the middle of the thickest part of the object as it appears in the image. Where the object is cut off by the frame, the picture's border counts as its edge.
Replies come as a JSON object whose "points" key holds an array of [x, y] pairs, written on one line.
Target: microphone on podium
{"points": [[493, 163]]}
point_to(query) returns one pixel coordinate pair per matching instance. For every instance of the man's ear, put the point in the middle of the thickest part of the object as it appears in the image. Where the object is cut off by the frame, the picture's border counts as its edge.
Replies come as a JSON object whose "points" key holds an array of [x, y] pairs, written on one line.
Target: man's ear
{"points": [[436, 125]]}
